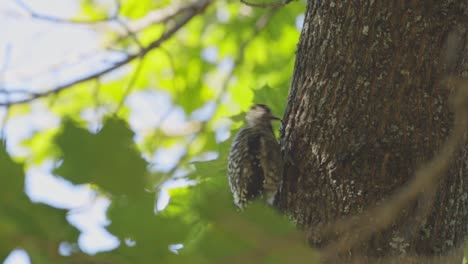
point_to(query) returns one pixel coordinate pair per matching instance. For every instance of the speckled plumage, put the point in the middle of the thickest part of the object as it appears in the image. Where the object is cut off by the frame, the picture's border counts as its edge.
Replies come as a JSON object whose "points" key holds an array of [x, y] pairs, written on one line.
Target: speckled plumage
{"points": [[254, 164]]}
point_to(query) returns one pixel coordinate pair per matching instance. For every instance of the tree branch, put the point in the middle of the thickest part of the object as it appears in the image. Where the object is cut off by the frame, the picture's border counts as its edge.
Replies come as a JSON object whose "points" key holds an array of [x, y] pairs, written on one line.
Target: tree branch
{"points": [[53, 19], [260, 24], [191, 12], [269, 4], [130, 85], [160, 16], [124, 30], [4, 67]]}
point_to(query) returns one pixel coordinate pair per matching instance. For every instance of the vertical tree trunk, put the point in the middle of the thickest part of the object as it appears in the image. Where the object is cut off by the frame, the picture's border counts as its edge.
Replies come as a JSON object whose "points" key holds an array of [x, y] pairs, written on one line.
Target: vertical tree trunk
{"points": [[368, 107]]}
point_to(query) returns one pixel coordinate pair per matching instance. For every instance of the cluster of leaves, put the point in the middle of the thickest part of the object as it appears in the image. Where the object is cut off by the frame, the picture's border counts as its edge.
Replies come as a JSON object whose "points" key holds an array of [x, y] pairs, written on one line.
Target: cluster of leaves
{"points": [[201, 217], [27, 224]]}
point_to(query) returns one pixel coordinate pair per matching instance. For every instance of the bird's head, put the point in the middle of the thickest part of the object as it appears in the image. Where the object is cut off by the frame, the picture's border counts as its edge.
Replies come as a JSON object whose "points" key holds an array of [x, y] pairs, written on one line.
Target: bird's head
{"points": [[260, 114]]}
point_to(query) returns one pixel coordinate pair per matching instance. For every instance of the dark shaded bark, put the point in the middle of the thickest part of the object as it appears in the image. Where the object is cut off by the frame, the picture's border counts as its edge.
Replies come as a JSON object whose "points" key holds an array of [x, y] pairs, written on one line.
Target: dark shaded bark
{"points": [[367, 107]]}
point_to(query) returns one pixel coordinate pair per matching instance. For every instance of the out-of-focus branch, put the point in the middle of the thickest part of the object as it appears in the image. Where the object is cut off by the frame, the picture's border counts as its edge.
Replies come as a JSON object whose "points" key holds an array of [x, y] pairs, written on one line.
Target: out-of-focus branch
{"points": [[4, 67], [261, 23], [268, 4], [130, 84], [6, 60], [3, 125], [124, 30], [185, 17], [153, 17], [159, 16], [130, 33], [54, 19]]}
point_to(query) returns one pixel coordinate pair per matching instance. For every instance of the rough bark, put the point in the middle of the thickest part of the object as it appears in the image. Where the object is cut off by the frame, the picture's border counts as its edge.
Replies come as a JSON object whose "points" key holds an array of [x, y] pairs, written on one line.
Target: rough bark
{"points": [[367, 107]]}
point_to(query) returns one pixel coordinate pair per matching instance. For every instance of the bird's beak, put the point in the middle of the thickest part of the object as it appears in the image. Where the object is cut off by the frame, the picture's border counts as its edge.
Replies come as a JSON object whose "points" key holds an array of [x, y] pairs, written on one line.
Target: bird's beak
{"points": [[275, 118]]}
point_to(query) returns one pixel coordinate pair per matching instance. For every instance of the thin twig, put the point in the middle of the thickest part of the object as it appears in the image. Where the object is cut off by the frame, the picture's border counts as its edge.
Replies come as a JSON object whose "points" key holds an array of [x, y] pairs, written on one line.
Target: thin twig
{"points": [[4, 125], [129, 29], [162, 15], [53, 19], [173, 67], [129, 32], [259, 26], [267, 5], [6, 60], [17, 91], [190, 13], [3, 69], [130, 85]]}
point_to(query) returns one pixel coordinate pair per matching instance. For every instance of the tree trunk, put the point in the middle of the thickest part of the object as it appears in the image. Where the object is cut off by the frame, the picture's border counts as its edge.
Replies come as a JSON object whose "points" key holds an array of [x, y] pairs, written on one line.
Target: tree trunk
{"points": [[367, 107]]}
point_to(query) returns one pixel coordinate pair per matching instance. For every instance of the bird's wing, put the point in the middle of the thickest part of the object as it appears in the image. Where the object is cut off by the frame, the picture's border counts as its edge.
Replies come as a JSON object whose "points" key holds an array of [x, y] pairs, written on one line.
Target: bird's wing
{"points": [[244, 172], [272, 165]]}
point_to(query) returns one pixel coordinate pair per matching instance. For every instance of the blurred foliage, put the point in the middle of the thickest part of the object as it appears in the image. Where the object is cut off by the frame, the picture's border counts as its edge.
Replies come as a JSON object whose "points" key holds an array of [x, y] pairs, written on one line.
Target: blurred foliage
{"points": [[114, 157], [37, 228], [219, 62]]}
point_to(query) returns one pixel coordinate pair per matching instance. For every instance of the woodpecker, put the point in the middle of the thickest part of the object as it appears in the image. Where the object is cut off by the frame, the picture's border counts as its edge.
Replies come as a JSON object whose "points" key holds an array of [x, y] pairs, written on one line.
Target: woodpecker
{"points": [[254, 165]]}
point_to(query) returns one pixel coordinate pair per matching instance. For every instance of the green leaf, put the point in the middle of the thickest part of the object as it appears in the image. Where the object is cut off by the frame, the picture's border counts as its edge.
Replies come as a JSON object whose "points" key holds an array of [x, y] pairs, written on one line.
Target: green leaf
{"points": [[268, 219], [203, 217], [23, 223], [108, 158], [11, 177], [41, 144], [152, 233], [259, 234], [274, 98]]}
